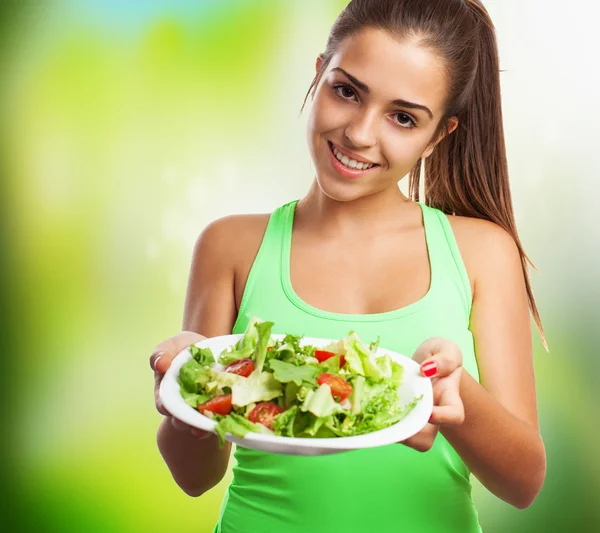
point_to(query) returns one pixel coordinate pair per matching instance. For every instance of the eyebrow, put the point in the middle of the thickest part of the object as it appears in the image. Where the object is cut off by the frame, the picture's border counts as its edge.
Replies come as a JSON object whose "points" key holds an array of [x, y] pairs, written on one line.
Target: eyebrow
{"points": [[399, 102]]}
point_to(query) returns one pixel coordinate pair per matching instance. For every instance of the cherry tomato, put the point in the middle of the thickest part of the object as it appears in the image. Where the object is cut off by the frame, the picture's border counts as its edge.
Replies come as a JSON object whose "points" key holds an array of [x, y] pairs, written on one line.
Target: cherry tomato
{"points": [[264, 413], [241, 367], [340, 388], [323, 355], [220, 405]]}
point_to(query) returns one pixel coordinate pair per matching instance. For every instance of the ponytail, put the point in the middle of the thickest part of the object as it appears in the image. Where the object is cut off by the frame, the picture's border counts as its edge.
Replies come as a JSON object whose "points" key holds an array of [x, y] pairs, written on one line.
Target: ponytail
{"points": [[467, 173]]}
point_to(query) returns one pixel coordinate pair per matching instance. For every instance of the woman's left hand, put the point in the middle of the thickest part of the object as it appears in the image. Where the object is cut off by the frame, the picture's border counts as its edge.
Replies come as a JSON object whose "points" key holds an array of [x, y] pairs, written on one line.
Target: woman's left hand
{"points": [[441, 360]]}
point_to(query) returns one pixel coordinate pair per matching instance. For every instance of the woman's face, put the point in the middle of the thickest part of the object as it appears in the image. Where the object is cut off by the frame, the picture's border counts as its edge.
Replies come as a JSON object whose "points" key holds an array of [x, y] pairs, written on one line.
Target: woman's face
{"points": [[379, 102]]}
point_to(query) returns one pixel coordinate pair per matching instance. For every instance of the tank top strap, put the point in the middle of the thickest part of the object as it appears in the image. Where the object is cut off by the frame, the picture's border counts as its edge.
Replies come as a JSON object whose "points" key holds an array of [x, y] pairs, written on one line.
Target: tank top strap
{"points": [[265, 273], [447, 266], [276, 233]]}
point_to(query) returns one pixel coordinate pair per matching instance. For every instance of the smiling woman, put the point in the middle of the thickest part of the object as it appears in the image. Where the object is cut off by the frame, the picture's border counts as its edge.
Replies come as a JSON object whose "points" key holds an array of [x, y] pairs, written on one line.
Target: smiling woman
{"points": [[442, 278], [127, 127], [382, 119]]}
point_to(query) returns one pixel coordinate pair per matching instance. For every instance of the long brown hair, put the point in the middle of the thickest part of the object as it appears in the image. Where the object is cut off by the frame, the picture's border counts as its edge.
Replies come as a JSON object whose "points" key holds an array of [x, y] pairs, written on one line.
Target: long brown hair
{"points": [[467, 173]]}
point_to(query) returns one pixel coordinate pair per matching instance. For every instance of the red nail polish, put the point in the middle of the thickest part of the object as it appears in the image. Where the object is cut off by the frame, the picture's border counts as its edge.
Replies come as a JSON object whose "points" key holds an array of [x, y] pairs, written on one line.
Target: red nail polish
{"points": [[429, 369], [430, 418]]}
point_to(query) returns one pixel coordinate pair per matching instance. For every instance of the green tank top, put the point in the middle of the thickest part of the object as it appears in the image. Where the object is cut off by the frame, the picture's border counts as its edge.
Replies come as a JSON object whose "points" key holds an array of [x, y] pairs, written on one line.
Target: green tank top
{"points": [[385, 489]]}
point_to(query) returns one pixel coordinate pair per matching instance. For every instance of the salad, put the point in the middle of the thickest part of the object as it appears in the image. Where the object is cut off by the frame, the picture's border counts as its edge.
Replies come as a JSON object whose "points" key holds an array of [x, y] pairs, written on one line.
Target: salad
{"points": [[279, 387]]}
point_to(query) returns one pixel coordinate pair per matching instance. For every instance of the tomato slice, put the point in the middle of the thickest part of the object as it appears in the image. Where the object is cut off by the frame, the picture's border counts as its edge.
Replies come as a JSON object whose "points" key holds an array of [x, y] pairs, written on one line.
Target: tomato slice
{"points": [[241, 367], [220, 405], [264, 413], [323, 355], [340, 388]]}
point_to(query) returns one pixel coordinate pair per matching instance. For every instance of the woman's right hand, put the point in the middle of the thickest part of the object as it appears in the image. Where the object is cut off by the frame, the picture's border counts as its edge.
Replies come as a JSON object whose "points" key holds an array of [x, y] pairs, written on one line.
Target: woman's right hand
{"points": [[160, 361]]}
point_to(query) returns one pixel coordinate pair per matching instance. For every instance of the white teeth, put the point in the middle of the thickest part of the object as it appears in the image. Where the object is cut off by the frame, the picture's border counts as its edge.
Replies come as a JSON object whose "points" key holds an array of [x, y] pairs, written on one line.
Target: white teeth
{"points": [[351, 163]]}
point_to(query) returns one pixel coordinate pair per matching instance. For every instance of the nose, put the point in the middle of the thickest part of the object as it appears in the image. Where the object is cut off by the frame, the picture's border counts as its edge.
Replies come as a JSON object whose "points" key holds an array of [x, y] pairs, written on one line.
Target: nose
{"points": [[361, 130]]}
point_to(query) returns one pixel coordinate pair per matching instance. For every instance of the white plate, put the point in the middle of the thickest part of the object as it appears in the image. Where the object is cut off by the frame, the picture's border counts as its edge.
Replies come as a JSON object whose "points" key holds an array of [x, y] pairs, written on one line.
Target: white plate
{"points": [[413, 385]]}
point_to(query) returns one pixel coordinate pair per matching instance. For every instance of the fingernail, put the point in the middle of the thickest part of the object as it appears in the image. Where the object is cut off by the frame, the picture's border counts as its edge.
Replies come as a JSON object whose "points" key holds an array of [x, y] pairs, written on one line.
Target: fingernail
{"points": [[430, 418], [429, 369], [157, 359]]}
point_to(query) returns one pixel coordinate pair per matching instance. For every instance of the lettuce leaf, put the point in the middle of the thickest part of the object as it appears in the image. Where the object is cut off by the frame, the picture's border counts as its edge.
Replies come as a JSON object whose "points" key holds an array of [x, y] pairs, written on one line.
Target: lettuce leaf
{"points": [[237, 425], [284, 423], [291, 392], [356, 396], [331, 365], [193, 376], [223, 379], [286, 372], [375, 421], [203, 356], [321, 403], [264, 334], [361, 358], [374, 346], [245, 347], [397, 374], [313, 428], [257, 387], [193, 399]]}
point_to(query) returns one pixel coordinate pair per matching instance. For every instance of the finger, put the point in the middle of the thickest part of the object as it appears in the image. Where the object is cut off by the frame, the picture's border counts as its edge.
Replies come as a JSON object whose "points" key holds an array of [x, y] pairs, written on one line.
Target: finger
{"points": [[422, 441], [155, 357], [428, 348], [450, 412], [162, 361], [178, 424], [446, 415], [159, 406], [182, 426], [439, 359], [161, 409], [199, 434], [163, 355]]}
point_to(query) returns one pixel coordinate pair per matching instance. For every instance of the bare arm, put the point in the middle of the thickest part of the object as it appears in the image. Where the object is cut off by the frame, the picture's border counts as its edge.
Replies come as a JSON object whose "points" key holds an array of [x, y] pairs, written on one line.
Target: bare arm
{"points": [[196, 464], [499, 439]]}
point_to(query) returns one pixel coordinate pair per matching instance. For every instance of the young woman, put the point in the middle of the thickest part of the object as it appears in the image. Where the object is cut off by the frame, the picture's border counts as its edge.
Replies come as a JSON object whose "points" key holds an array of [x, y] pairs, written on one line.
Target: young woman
{"points": [[402, 86]]}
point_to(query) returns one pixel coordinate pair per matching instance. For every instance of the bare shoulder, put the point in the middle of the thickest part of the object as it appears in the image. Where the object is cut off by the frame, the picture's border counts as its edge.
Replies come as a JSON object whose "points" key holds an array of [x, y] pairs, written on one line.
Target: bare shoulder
{"points": [[473, 233], [232, 242], [484, 246], [221, 253], [231, 235]]}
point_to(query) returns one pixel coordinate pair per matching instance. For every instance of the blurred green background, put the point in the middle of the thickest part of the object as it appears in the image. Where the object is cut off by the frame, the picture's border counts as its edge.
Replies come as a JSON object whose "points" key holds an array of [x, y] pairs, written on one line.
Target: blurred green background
{"points": [[127, 126]]}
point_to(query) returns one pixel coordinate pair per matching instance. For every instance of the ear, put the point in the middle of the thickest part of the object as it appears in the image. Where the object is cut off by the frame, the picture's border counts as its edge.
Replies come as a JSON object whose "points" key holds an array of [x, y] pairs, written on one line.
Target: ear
{"points": [[451, 124], [319, 63]]}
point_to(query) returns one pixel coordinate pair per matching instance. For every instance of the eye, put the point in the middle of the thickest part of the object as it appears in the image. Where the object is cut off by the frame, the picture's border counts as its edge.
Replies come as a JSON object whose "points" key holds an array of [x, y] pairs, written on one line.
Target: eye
{"points": [[345, 92], [404, 120]]}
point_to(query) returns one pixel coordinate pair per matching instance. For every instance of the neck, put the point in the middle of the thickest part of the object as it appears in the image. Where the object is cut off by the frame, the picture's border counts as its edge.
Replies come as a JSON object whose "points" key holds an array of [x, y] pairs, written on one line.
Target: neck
{"points": [[375, 212]]}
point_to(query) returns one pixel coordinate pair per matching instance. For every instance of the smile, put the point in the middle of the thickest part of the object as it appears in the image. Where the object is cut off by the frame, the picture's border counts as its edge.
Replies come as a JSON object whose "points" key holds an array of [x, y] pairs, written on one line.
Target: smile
{"points": [[347, 167], [348, 162]]}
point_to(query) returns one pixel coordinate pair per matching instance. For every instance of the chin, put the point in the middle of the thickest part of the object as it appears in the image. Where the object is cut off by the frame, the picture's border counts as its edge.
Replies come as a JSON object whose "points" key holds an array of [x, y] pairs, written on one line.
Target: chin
{"points": [[340, 191]]}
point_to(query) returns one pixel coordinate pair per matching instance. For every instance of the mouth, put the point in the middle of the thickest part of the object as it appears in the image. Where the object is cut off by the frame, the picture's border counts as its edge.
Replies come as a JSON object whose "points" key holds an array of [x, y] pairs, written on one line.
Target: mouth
{"points": [[347, 167]]}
